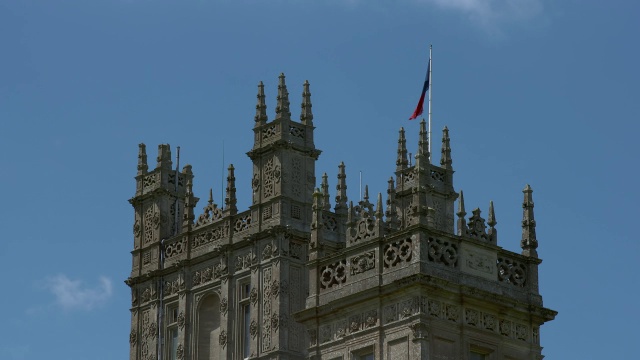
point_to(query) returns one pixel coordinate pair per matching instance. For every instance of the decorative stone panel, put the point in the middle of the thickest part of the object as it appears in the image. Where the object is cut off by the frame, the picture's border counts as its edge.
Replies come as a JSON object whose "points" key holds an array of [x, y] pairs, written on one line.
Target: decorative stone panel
{"points": [[398, 252], [478, 261], [333, 274], [443, 252], [512, 272]]}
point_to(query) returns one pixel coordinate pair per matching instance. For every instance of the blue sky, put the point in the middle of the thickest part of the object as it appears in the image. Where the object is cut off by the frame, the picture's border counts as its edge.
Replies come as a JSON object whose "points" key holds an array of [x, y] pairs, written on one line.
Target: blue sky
{"points": [[533, 91]]}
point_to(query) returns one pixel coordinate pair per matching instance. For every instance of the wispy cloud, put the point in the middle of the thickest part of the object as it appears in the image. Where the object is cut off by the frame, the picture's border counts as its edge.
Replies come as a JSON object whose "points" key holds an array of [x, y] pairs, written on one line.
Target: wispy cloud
{"points": [[492, 13], [74, 295]]}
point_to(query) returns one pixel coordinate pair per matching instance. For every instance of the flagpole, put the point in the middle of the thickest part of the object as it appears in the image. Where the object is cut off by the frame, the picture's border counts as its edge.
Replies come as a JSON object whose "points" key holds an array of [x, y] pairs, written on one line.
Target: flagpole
{"points": [[429, 130]]}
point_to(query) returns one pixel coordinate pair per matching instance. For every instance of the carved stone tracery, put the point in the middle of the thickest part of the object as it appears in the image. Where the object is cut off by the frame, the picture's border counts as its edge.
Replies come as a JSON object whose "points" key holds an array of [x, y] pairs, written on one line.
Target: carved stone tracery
{"points": [[398, 252]]}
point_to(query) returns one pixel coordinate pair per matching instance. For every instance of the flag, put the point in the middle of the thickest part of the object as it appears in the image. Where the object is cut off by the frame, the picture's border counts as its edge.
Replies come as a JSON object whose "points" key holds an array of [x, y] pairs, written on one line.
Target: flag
{"points": [[418, 111]]}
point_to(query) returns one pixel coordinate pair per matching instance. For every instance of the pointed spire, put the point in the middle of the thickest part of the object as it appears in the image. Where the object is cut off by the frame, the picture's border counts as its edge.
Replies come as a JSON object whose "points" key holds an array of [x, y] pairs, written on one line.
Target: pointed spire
{"points": [[306, 116], [164, 157], [210, 196], [350, 215], [401, 162], [142, 159], [379, 211], [261, 107], [491, 221], [462, 222], [230, 198], [316, 221], [529, 243], [190, 201], [391, 213], [282, 107], [326, 205], [366, 193], [422, 156], [341, 196], [445, 157]]}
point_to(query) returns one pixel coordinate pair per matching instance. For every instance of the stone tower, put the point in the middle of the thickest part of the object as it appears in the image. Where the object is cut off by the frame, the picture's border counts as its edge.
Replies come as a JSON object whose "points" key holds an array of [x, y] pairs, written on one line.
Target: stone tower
{"points": [[292, 278]]}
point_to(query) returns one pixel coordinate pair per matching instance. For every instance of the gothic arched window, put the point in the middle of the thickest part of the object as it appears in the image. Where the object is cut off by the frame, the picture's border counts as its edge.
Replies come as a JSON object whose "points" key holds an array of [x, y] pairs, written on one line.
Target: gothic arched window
{"points": [[208, 328]]}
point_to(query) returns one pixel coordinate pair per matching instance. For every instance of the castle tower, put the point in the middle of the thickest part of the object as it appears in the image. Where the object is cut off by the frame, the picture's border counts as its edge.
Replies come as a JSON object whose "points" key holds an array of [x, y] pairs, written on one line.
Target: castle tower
{"points": [[223, 284], [297, 277]]}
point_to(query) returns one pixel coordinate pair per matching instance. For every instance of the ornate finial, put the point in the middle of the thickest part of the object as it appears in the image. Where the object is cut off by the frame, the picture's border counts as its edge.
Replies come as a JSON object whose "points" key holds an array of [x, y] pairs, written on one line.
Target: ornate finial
{"points": [[306, 116], [491, 221], [326, 205], [210, 196], [164, 156], [379, 211], [190, 201], [341, 196], [422, 156], [477, 228], [529, 243], [401, 162], [316, 224], [445, 157], [317, 196], [261, 107], [462, 222], [391, 213], [366, 193], [282, 107], [142, 159], [230, 199]]}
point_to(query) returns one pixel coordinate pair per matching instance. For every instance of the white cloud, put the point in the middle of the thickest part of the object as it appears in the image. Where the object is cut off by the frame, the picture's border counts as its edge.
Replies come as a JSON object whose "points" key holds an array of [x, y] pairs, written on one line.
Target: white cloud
{"points": [[493, 12], [74, 295]]}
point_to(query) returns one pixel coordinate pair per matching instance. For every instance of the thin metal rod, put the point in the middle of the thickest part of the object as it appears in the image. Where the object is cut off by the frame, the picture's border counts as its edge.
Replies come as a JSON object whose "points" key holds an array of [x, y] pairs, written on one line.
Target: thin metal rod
{"points": [[430, 77], [360, 185], [222, 177], [175, 205]]}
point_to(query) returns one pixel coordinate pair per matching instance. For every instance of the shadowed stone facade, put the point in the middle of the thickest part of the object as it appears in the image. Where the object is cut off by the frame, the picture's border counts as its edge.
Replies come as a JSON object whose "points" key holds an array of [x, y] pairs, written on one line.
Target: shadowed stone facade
{"points": [[294, 278]]}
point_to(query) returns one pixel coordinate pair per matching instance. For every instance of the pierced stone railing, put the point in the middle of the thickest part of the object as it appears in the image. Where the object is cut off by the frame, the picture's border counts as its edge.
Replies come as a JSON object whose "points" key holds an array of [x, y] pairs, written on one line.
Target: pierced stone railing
{"points": [[511, 271], [397, 252], [175, 249], [443, 252], [243, 221]]}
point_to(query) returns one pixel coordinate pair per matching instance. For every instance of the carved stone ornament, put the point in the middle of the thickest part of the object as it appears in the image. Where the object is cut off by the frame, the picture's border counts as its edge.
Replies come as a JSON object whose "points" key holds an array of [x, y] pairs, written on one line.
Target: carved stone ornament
{"points": [[505, 327], [181, 320], [521, 332], [354, 326], [253, 296], [137, 229], [363, 262], [397, 252], [275, 321], [133, 337], [152, 330], [267, 251], [434, 308], [489, 322], [471, 316], [313, 337], [180, 352], [371, 318], [222, 339], [275, 288], [419, 331], [253, 329], [443, 252], [452, 313], [224, 305]]}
